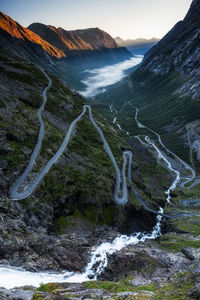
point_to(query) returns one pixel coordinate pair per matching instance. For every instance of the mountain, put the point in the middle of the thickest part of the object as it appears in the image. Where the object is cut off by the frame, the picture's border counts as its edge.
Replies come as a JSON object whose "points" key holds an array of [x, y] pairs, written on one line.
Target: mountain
{"points": [[179, 51], [73, 207], [72, 211], [137, 46], [86, 48], [23, 39], [70, 42], [166, 85], [68, 54]]}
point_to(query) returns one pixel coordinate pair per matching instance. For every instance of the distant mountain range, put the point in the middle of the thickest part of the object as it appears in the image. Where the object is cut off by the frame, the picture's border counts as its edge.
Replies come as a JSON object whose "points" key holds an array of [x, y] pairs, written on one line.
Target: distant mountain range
{"points": [[137, 46], [67, 53]]}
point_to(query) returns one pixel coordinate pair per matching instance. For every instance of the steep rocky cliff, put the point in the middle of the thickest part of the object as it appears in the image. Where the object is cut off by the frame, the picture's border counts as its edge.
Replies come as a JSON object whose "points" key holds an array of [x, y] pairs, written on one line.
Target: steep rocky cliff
{"points": [[179, 51]]}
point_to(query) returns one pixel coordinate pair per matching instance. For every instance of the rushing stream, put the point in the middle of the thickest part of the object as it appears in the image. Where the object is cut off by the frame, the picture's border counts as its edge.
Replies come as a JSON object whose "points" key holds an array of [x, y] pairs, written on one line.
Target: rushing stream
{"points": [[183, 163], [11, 277]]}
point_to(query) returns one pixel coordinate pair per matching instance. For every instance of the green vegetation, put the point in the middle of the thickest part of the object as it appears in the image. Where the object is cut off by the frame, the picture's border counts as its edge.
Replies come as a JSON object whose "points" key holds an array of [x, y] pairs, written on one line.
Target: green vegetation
{"points": [[82, 181], [48, 287], [159, 104], [191, 226], [38, 296], [122, 286], [175, 289], [175, 243]]}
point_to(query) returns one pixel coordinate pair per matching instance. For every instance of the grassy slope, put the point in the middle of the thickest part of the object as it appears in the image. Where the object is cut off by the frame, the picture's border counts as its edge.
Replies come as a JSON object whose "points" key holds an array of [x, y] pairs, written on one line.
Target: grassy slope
{"points": [[81, 183], [159, 103]]}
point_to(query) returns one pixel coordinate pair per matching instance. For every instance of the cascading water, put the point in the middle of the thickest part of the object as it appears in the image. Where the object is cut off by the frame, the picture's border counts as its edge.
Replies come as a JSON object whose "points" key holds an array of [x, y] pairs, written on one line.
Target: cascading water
{"points": [[11, 277], [169, 166], [183, 163]]}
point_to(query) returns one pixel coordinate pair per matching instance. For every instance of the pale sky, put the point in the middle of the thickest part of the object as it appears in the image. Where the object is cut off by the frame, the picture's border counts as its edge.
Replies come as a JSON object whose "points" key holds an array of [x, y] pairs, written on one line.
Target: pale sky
{"points": [[124, 18]]}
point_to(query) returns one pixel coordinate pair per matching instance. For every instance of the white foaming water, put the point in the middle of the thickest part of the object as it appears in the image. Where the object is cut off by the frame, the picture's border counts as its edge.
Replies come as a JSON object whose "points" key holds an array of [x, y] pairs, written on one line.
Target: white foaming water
{"points": [[160, 155], [119, 126], [183, 163], [11, 277], [103, 77], [169, 166], [99, 257], [14, 277]]}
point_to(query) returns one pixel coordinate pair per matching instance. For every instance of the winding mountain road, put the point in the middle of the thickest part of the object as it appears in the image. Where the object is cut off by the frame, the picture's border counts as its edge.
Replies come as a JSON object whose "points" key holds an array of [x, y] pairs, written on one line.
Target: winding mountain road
{"points": [[161, 156], [99, 257], [183, 163], [15, 194]]}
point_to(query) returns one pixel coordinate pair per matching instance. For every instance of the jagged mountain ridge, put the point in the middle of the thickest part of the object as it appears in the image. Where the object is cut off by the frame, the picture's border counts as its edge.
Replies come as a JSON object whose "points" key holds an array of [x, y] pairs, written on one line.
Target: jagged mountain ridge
{"points": [[77, 40]]}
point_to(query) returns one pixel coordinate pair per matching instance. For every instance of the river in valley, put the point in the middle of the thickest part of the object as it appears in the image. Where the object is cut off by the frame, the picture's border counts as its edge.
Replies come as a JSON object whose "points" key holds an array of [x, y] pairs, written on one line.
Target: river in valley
{"points": [[11, 277]]}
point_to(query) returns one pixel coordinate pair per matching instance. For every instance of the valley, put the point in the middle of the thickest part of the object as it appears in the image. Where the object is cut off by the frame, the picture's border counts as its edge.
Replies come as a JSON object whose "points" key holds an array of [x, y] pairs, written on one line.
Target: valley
{"points": [[99, 164]]}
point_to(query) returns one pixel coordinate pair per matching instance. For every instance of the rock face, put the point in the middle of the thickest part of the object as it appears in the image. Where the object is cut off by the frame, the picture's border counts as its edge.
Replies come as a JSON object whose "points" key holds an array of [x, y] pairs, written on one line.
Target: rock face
{"points": [[179, 51], [147, 262]]}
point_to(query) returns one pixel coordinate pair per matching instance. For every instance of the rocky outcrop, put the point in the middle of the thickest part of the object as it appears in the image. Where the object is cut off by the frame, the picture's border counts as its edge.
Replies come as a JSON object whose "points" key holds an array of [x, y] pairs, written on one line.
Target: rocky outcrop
{"points": [[142, 272], [26, 242], [146, 262], [75, 291]]}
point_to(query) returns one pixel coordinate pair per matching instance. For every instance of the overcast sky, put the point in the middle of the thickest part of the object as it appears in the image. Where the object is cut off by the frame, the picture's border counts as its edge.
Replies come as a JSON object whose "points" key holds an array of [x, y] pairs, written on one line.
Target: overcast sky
{"points": [[124, 18]]}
